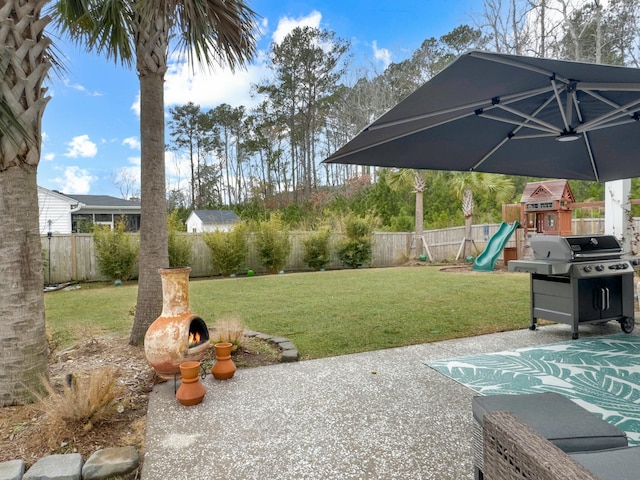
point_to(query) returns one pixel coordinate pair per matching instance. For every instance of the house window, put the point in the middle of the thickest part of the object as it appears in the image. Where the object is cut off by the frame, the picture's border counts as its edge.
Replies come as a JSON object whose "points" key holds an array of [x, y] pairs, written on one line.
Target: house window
{"points": [[531, 220], [131, 222], [81, 223], [551, 220]]}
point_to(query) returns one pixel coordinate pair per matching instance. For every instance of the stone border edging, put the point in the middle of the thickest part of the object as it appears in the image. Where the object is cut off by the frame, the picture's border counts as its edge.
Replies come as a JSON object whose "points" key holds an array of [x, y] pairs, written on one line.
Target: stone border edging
{"points": [[286, 346]]}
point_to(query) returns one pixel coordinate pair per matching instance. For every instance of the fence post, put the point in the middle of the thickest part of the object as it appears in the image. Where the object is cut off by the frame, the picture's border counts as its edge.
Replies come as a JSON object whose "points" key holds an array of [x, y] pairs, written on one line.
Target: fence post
{"points": [[74, 259]]}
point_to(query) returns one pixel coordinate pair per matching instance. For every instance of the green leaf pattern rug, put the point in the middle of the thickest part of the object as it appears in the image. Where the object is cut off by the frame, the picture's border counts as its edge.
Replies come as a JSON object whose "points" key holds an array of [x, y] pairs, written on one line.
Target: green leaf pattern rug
{"points": [[602, 374]]}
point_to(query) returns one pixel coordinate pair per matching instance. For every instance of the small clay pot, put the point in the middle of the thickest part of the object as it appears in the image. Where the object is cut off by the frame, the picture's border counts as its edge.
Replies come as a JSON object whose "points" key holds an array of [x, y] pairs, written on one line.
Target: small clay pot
{"points": [[191, 390], [224, 368]]}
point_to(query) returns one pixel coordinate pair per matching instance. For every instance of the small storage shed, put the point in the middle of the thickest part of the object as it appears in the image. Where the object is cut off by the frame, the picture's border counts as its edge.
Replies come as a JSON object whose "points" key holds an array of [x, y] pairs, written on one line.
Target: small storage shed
{"points": [[546, 207], [211, 220]]}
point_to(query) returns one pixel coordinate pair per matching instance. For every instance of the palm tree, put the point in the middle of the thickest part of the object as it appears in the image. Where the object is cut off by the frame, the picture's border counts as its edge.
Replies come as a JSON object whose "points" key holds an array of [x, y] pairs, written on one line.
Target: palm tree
{"points": [[465, 184], [418, 180], [24, 63], [209, 32]]}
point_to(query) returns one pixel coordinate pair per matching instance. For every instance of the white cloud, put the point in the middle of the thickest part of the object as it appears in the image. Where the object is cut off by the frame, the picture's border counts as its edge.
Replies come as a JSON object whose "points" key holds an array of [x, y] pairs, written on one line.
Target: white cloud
{"points": [[208, 89], [49, 156], [81, 146], [76, 180], [132, 142], [131, 173], [183, 85], [286, 25], [74, 86], [80, 88], [382, 54], [135, 106]]}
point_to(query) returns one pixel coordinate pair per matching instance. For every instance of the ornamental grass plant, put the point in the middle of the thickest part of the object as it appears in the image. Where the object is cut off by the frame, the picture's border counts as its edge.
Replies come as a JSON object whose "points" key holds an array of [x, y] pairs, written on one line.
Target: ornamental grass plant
{"points": [[87, 399]]}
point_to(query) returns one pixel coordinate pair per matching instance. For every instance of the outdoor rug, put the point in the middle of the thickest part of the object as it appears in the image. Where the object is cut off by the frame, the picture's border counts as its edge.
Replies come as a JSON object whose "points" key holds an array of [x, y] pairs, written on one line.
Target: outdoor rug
{"points": [[602, 374]]}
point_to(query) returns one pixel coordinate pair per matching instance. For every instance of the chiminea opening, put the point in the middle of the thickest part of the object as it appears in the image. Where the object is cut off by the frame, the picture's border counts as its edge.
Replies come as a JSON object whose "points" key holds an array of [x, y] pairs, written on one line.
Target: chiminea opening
{"points": [[198, 332]]}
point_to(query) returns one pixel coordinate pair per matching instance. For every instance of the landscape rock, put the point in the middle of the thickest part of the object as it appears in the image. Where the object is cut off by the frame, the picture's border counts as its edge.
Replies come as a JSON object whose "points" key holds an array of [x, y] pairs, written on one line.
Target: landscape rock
{"points": [[56, 467], [110, 462], [289, 356], [12, 470]]}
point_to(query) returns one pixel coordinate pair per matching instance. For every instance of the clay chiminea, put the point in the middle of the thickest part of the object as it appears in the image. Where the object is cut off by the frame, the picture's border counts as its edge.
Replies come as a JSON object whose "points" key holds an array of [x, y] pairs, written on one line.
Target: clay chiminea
{"points": [[177, 335]]}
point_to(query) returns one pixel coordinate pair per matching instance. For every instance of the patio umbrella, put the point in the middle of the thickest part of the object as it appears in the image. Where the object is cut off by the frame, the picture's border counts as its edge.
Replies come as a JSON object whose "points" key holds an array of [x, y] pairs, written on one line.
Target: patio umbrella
{"points": [[498, 113]]}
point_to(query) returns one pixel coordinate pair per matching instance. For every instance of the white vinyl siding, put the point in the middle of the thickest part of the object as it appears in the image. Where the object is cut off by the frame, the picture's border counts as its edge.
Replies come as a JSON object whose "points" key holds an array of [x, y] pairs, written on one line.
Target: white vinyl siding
{"points": [[56, 208]]}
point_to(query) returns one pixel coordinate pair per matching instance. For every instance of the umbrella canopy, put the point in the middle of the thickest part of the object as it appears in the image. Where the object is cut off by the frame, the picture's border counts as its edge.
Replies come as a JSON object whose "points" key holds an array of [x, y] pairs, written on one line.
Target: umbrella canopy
{"points": [[515, 115]]}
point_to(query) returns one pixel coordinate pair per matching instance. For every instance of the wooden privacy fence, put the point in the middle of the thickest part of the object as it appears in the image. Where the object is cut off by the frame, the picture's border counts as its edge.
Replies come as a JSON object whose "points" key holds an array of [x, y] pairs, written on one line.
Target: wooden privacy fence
{"points": [[72, 257]]}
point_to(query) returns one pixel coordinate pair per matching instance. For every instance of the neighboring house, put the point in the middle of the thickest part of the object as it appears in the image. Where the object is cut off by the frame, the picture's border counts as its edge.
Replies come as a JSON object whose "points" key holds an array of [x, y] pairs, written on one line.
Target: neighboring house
{"points": [[55, 211], [60, 213], [211, 220], [106, 210]]}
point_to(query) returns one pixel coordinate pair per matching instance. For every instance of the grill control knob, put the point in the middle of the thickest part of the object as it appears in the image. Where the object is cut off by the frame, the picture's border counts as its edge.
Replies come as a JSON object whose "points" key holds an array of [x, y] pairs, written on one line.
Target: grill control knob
{"points": [[587, 268], [599, 268]]}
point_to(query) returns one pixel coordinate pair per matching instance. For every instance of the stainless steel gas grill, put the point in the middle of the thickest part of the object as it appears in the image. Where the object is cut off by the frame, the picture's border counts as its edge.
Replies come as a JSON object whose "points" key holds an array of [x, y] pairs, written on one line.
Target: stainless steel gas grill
{"points": [[579, 279]]}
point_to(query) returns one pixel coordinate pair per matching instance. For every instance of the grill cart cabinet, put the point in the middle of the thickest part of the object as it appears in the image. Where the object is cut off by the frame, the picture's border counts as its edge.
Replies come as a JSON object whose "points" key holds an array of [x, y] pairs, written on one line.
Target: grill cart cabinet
{"points": [[575, 301], [578, 280]]}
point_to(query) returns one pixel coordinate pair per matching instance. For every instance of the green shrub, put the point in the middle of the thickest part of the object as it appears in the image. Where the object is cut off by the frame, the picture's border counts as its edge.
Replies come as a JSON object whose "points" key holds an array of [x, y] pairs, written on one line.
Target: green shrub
{"points": [[179, 243], [116, 251], [273, 244], [228, 249], [316, 249], [355, 250]]}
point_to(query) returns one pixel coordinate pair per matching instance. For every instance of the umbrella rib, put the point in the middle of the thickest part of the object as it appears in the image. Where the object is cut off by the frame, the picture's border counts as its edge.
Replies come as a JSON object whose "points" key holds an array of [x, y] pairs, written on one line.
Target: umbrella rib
{"points": [[540, 135], [591, 159], [613, 124], [542, 123], [560, 107], [605, 87], [486, 104], [397, 137], [585, 127], [597, 96], [512, 134], [520, 65], [576, 104], [542, 128]]}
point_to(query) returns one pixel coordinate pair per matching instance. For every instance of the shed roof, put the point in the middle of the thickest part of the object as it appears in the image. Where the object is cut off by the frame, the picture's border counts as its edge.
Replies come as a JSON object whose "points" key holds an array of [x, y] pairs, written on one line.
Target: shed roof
{"points": [[548, 189], [216, 216]]}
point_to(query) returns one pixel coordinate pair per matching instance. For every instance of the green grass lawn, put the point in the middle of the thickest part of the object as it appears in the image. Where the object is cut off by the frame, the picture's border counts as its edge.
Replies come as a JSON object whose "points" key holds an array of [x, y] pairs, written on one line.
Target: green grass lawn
{"points": [[323, 313]]}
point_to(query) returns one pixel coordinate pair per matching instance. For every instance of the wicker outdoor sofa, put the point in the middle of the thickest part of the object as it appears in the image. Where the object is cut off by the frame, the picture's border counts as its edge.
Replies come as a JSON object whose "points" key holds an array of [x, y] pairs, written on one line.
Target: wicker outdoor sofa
{"points": [[514, 451]]}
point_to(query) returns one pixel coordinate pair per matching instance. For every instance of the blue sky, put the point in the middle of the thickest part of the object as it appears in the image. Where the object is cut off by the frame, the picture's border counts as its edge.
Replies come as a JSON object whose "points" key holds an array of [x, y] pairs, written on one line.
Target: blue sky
{"points": [[91, 124]]}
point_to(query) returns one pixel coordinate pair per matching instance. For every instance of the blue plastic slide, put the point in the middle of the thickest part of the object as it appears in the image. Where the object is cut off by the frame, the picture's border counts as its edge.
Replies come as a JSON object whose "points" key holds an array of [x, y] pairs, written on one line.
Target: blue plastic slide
{"points": [[487, 259]]}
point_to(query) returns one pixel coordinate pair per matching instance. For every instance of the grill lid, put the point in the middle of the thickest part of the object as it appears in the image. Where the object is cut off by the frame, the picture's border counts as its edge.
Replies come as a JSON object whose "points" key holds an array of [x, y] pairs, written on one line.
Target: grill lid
{"points": [[575, 248]]}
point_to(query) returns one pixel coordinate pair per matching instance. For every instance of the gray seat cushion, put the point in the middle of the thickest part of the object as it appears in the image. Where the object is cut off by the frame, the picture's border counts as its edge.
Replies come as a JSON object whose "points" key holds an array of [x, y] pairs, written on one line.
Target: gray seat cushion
{"points": [[616, 464], [561, 421]]}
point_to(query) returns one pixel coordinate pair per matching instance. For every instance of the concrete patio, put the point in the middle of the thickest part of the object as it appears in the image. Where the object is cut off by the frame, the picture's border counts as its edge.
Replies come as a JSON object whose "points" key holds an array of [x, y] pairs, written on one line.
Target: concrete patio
{"points": [[382, 414]]}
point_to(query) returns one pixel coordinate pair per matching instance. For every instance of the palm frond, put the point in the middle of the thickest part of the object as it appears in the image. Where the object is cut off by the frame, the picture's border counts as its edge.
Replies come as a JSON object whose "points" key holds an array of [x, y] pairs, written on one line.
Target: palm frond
{"points": [[209, 32], [102, 26]]}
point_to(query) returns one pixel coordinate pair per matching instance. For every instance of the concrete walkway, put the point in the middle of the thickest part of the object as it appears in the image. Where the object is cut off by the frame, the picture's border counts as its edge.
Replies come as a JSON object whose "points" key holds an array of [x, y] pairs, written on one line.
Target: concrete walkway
{"points": [[374, 415]]}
